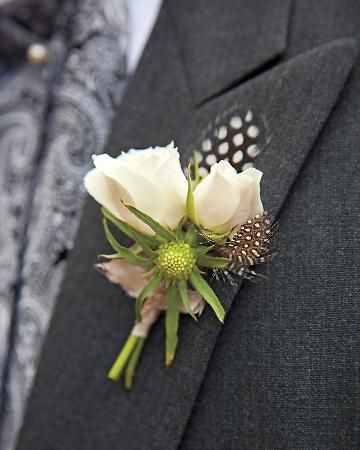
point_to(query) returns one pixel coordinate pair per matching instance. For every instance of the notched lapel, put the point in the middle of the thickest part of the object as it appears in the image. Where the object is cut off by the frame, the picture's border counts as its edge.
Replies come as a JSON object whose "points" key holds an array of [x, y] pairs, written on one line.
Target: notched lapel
{"points": [[295, 99], [222, 42]]}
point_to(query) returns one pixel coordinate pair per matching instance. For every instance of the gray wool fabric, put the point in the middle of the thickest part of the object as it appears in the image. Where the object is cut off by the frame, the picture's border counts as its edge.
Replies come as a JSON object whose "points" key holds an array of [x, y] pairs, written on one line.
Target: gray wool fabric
{"points": [[283, 371]]}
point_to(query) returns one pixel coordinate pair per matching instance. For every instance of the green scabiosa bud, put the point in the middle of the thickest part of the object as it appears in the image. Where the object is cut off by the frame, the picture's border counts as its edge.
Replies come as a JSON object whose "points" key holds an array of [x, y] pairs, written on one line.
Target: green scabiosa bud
{"points": [[176, 260]]}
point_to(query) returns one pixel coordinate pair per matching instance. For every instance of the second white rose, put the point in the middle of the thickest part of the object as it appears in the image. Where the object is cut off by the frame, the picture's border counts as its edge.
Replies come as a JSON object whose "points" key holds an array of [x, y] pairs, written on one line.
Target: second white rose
{"points": [[225, 198]]}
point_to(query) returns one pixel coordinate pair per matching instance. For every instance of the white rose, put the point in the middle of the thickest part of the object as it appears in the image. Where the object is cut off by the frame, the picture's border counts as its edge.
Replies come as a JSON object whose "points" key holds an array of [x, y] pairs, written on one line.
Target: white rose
{"points": [[225, 198], [150, 179]]}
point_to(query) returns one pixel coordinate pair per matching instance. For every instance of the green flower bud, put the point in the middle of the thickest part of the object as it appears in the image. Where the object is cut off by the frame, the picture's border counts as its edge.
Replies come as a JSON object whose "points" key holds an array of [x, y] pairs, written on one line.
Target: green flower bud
{"points": [[176, 260]]}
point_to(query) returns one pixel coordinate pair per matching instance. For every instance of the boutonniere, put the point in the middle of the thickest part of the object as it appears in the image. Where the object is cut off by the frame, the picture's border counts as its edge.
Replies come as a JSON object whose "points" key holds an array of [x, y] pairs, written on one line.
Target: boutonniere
{"points": [[183, 229]]}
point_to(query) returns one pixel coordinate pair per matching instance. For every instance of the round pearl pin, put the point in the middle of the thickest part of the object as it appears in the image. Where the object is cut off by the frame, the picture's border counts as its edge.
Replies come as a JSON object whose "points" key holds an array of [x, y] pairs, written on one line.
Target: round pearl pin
{"points": [[36, 54]]}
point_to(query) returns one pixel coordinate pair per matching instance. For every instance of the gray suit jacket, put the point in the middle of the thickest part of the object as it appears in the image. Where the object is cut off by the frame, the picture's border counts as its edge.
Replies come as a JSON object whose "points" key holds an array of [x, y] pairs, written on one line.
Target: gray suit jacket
{"points": [[283, 371]]}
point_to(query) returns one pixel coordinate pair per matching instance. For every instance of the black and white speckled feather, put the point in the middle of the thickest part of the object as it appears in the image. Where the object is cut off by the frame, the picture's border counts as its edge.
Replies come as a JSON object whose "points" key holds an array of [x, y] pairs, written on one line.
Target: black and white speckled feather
{"points": [[252, 243]]}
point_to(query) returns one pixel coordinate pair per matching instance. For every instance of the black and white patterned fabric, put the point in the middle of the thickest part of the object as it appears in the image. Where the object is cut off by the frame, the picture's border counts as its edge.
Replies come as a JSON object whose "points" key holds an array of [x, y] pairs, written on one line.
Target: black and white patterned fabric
{"points": [[52, 118]]}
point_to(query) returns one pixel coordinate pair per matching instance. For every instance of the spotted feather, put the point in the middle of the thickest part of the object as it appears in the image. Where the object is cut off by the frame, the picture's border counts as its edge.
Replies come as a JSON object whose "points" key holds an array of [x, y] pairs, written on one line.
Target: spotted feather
{"points": [[237, 135], [251, 244]]}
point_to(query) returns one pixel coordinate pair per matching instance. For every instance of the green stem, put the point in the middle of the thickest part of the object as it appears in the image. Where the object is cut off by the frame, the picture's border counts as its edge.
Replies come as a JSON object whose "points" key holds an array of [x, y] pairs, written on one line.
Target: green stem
{"points": [[190, 206], [134, 359], [196, 169], [121, 361], [171, 324]]}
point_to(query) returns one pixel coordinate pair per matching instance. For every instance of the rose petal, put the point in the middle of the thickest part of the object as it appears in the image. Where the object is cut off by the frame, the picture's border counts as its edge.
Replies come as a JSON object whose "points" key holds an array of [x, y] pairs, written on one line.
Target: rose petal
{"points": [[145, 194], [215, 199], [248, 187], [162, 166], [107, 192], [196, 301], [170, 174], [131, 278]]}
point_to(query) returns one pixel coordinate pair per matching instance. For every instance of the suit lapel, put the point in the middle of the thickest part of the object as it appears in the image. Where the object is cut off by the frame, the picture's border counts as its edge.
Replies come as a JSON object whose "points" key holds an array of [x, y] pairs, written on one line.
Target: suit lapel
{"points": [[93, 317]]}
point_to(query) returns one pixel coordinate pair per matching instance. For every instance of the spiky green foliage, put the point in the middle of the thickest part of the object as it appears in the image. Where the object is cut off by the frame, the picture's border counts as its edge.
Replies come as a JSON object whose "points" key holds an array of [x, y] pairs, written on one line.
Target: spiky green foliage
{"points": [[175, 259]]}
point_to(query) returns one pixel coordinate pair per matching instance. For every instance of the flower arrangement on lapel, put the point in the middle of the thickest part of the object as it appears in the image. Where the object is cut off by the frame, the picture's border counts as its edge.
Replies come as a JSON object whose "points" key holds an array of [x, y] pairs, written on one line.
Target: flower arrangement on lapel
{"points": [[181, 229]]}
